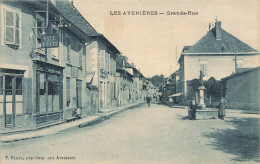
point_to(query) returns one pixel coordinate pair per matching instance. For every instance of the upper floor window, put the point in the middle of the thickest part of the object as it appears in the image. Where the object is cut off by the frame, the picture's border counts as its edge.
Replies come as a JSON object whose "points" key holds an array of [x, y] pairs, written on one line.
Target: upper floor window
{"points": [[240, 63], [12, 26], [102, 55], [54, 51], [107, 62], [68, 46], [80, 54], [204, 67], [40, 30]]}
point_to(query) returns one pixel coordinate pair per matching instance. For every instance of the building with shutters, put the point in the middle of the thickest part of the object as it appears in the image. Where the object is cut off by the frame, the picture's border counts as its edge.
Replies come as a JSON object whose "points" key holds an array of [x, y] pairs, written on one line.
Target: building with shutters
{"points": [[41, 81], [101, 70], [217, 54]]}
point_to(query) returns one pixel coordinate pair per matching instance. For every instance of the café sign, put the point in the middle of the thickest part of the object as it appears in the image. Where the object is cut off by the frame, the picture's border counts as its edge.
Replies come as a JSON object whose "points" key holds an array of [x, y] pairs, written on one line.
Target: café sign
{"points": [[50, 41]]}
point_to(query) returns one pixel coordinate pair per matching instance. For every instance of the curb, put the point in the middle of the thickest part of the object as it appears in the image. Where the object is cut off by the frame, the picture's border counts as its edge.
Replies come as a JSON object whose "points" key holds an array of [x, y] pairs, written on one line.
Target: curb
{"points": [[33, 133]]}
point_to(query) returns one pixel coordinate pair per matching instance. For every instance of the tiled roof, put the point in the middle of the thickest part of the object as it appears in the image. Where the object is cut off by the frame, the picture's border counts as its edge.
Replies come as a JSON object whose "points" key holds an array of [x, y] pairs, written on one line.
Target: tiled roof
{"points": [[74, 16], [228, 43]]}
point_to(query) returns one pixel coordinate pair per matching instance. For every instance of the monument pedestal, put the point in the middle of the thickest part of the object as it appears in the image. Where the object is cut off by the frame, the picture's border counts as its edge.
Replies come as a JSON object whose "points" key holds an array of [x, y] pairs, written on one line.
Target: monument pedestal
{"points": [[201, 105]]}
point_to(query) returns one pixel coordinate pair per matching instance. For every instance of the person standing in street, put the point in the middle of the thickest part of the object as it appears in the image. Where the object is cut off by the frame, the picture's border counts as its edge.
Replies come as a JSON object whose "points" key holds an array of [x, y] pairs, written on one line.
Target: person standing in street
{"points": [[148, 100], [193, 107], [171, 101], [222, 108]]}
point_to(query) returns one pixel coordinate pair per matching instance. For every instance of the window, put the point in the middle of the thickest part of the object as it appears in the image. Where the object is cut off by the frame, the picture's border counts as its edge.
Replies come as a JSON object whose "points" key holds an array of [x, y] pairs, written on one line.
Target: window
{"points": [[102, 59], [1, 85], [12, 27], [108, 62], [68, 91], [68, 49], [54, 51], [240, 63], [203, 67], [40, 23], [42, 83], [80, 54]]}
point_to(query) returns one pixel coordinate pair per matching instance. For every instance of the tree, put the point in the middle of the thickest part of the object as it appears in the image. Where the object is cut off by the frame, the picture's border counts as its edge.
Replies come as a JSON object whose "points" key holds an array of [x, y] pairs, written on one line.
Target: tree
{"points": [[157, 80], [213, 87]]}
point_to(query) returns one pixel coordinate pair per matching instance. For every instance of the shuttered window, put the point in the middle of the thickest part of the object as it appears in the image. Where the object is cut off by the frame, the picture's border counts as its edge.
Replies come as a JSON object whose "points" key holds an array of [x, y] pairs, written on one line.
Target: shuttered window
{"points": [[108, 62], [68, 49], [203, 68], [12, 27], [102, 59], [80, 54]]}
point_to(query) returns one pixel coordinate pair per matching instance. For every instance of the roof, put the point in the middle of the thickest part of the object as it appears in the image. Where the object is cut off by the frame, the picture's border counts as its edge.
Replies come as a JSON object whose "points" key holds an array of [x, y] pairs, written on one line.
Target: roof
{"points": [[209, 43], [109, 45], [240, 73], [73, 15]]}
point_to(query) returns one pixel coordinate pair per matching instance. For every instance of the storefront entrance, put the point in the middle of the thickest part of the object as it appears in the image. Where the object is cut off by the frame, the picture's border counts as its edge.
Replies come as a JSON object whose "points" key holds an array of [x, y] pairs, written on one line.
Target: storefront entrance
{"points": [[11, 97]]}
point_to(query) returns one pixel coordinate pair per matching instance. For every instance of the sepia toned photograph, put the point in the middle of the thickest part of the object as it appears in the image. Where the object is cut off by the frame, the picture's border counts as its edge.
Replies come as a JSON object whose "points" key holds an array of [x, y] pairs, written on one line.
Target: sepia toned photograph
{"points": [[129, 81]]}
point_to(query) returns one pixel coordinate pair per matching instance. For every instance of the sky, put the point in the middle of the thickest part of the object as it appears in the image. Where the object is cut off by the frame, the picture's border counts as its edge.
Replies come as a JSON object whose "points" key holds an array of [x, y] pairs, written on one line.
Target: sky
{"points": [[154, 42]]}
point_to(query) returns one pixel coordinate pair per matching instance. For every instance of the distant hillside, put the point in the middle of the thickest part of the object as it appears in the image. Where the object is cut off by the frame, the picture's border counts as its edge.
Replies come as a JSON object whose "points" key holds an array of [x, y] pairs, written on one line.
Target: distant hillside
{"points": [[156, 80]]}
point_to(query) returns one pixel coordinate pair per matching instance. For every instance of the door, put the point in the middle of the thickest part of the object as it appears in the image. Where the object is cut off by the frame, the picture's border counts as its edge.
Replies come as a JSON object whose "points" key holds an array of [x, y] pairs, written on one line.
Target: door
{"points": [[79, 93], [11, 100]]}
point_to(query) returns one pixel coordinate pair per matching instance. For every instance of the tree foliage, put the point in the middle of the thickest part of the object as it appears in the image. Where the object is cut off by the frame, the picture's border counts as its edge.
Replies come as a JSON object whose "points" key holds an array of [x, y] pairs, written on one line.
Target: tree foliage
{"points": [[157, 80], [213, 87]]}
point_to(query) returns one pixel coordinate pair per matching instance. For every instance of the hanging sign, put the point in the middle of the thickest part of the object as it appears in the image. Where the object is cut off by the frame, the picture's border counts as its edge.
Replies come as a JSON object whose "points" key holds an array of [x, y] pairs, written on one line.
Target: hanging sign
{"points": [[50, 41]]}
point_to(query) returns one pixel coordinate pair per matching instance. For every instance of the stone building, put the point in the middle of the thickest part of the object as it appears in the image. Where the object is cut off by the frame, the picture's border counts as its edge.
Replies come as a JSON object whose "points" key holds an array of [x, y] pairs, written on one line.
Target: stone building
{"points": [[41, 81], [217, 54]]}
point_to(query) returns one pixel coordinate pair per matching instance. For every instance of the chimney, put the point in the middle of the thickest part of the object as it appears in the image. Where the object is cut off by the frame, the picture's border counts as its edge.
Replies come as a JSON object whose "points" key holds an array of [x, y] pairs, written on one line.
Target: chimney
{"points": [[218, 30]]}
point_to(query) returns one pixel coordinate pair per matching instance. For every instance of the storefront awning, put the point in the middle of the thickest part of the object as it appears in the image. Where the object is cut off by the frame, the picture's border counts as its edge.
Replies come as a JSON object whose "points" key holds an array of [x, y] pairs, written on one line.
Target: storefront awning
{"points": [[175, 95]]}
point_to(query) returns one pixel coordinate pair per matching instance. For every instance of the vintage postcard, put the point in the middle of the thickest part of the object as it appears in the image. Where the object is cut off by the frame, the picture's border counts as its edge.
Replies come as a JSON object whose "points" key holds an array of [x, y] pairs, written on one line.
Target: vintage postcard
{"points": [[129, 81]]}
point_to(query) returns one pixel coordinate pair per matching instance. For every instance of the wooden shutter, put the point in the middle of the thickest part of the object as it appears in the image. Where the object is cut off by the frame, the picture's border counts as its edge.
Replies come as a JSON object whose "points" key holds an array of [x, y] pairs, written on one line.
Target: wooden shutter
{"points": [[102, 59], [205, 70], [108, 62], [106, 55], [17, 27], [80, 58], [9, 27]]}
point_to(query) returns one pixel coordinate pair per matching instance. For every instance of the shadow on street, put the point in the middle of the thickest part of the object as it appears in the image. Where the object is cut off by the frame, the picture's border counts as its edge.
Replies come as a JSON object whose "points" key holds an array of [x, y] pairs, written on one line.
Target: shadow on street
{"points": [[242, 141]]}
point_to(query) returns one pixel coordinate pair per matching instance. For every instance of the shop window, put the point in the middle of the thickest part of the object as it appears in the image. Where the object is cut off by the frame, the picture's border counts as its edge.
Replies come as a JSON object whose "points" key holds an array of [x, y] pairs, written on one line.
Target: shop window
{"points": [[42, 84], [19, 86], [55, 85], [8, 85]]}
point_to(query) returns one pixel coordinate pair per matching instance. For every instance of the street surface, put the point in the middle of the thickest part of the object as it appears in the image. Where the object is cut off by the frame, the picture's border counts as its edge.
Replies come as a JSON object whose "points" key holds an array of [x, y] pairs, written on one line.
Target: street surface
{"points": [[158, 134]]}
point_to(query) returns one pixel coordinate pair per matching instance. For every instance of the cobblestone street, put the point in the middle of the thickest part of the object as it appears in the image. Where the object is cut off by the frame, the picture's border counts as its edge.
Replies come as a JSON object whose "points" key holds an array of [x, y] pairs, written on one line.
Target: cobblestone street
{"points": [[158, 134]]}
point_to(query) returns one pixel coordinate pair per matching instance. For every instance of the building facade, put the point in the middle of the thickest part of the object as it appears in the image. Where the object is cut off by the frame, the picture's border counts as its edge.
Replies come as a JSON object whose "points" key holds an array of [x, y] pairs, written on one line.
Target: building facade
{"points": [[217, 54], [41, 81]]}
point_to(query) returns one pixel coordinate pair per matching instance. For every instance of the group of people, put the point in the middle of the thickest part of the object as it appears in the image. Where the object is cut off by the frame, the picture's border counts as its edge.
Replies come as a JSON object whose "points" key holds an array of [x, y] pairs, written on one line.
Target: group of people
{"points": [[221, 112]]}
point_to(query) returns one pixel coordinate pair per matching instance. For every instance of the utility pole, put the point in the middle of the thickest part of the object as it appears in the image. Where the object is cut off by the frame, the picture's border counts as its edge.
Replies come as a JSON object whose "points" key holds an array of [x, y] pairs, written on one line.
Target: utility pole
{"points": [[235, 62]]}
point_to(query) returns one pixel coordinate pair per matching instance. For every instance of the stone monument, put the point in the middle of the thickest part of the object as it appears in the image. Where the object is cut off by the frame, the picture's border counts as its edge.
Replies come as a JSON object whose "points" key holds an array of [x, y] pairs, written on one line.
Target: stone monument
{"points": [[201, 92]]}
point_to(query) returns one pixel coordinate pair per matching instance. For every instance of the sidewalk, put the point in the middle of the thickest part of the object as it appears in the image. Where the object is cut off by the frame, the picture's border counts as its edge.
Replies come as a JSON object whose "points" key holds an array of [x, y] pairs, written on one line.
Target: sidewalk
{"points": [[57, 127]]}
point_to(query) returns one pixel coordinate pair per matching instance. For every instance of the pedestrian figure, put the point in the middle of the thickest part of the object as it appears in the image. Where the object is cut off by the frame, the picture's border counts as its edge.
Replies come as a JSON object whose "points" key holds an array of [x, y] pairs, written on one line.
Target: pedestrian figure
{"points": [[148, 99], [171, 101], [222, 108], [193, 107]]}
